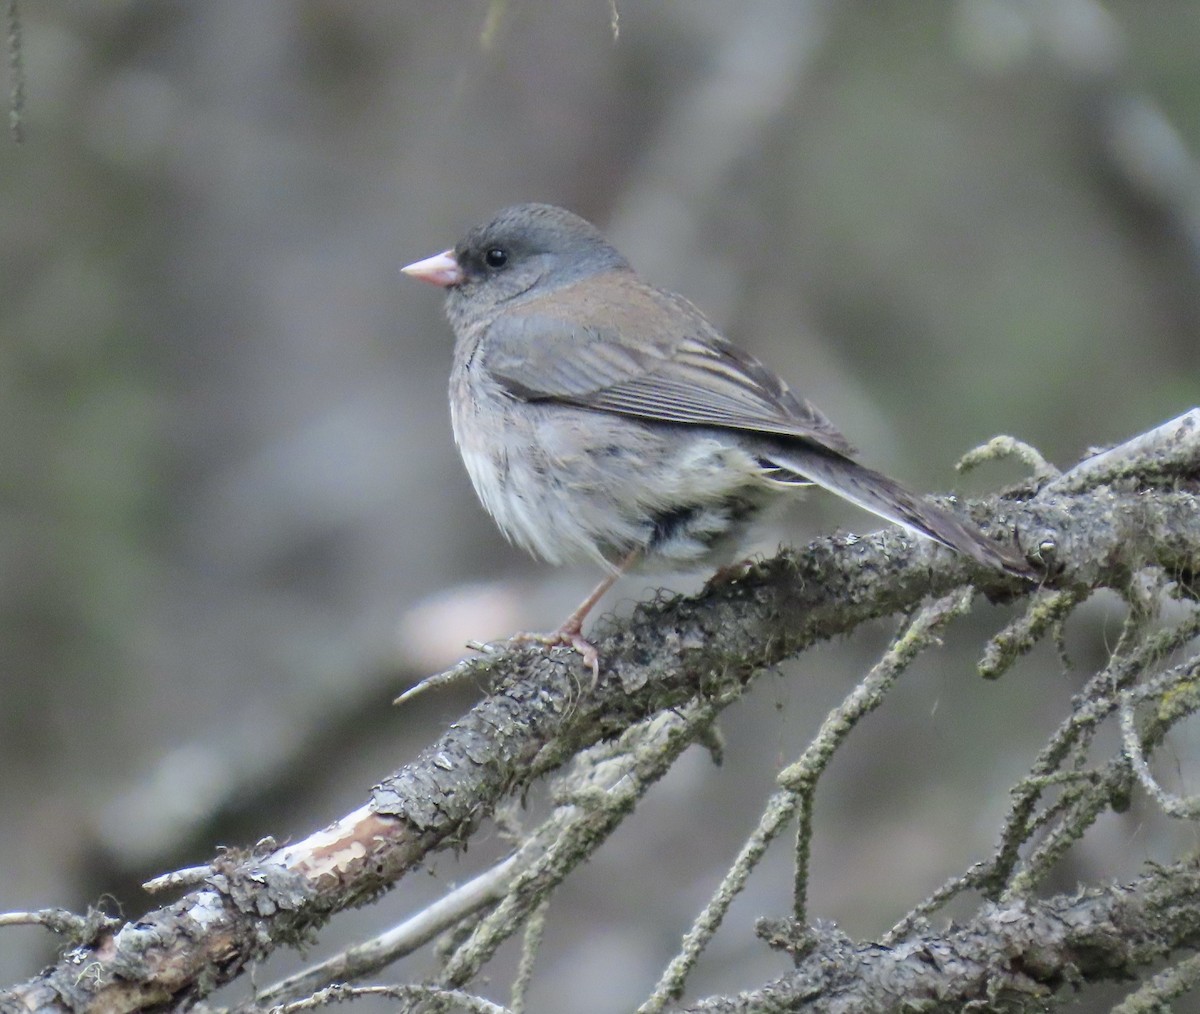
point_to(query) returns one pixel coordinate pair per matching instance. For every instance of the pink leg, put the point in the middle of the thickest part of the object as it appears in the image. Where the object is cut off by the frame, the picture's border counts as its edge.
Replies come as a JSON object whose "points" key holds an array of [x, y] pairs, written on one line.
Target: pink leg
{"points": [[570, 633]]}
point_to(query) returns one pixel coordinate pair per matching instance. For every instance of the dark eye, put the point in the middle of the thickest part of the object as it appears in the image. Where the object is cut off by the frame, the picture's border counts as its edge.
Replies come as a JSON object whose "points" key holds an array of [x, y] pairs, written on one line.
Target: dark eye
{"points": [[495, 257]]}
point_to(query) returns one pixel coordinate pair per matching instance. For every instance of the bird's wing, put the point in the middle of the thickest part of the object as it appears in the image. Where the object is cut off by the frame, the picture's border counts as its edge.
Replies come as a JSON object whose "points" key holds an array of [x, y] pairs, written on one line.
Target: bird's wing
{"points": [[641, 352]]}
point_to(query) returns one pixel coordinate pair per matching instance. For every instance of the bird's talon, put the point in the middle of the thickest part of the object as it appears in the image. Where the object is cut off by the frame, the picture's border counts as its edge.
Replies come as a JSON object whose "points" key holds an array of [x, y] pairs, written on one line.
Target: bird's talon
{"points": [[591, 657], [566, 638], [730, 572]]}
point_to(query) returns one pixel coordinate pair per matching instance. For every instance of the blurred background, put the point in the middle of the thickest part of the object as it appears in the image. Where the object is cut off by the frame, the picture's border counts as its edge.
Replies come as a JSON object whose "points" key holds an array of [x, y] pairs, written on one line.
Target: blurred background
{"points": [[234, 524]]}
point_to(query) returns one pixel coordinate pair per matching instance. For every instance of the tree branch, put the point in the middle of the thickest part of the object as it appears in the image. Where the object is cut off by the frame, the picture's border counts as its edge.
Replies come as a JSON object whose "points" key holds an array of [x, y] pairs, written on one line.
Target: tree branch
{"points": [[1010, 957], [541, 713]]}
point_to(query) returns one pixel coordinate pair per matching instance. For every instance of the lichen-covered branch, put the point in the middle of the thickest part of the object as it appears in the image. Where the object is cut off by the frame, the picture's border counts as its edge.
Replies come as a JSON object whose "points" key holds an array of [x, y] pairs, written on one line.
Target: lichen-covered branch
{"points": [[543, 712], [798, 784], [1010, 957]]}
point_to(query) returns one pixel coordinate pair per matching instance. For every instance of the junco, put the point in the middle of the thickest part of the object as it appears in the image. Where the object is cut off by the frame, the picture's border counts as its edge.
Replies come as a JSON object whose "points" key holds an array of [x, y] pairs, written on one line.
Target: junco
{"points": [[602, 418]]}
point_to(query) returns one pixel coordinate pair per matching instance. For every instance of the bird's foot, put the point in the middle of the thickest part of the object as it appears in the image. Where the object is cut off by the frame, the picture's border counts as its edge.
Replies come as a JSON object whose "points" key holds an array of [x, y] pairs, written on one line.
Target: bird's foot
{"points": [[729, 572], [569, 635]]}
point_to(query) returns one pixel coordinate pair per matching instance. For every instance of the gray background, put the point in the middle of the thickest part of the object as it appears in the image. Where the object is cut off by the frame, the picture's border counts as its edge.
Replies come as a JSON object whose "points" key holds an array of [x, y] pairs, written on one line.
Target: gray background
{"points": [[233, 521]]}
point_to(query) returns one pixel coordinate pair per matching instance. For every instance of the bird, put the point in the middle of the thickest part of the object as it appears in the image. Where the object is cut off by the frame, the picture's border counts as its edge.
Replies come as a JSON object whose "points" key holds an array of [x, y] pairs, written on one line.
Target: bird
{"points": [[602, 418]]}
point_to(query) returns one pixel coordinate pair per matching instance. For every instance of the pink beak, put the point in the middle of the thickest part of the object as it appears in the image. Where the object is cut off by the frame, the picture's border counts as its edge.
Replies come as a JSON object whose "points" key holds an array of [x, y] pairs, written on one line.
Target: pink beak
{"points": [[440, 269]]}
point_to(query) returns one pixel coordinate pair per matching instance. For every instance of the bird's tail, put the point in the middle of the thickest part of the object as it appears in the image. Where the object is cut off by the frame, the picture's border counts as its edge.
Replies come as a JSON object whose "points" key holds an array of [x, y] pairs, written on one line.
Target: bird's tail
{"points": [[889, 500]]}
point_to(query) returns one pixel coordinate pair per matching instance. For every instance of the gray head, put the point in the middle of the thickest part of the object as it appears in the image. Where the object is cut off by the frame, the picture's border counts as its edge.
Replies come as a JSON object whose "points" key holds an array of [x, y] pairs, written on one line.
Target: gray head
{"points": [[523, 246]]}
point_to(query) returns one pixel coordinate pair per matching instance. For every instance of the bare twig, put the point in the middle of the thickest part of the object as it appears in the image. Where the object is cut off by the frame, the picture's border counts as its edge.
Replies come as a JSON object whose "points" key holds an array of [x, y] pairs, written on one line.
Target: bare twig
{"points": [[372, 955], [1181, 679], [1098, 934], [409, 995], [1046, 612], [799, 782], [1154, 997], [79, 928], [1171, 449], [464, 672], [1008, 447], [189, 877], [658, 660], [802, 776], [1087, 799], [16, 74], [1084, 793], [614, 783], [529, 949]]}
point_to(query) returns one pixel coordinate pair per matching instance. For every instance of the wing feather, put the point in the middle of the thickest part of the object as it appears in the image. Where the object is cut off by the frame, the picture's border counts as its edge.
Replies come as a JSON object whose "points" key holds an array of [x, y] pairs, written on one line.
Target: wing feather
{"points": [[641, 352]]}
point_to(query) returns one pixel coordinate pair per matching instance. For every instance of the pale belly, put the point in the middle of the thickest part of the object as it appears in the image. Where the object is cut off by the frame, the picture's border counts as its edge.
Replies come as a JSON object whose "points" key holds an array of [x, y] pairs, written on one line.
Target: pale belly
{"points": [[569, 483]]}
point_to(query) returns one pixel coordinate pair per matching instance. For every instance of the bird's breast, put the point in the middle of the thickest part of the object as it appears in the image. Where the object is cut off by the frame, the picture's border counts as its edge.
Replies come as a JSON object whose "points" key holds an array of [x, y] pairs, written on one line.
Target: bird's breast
{"points": [[569, 483]]}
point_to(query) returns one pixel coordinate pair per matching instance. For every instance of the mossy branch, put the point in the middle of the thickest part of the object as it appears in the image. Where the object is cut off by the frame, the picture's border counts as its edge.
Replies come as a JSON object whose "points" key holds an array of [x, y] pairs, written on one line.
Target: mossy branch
{"points": [[667, 673]]}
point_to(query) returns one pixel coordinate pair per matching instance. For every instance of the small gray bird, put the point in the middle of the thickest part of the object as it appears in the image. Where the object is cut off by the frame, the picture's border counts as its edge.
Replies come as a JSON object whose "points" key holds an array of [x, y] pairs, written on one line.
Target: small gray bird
{"points": [[602, 418]]}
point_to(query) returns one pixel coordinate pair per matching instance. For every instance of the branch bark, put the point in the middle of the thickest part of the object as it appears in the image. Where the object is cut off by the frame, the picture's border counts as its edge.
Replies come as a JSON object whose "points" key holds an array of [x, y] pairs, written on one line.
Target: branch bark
{"points": [[1010, 957], [542, 713]]}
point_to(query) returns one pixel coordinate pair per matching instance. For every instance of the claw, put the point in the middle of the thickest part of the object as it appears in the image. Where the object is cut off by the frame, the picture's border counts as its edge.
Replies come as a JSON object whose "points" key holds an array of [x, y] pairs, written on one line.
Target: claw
{"points": [[567, 636], [570, 634], [591, 657]]}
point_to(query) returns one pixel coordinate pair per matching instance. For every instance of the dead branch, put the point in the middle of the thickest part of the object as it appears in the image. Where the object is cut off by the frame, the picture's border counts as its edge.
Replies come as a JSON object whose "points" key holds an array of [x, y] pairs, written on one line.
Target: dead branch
{"points": [[1010, 957], [693, 655]]}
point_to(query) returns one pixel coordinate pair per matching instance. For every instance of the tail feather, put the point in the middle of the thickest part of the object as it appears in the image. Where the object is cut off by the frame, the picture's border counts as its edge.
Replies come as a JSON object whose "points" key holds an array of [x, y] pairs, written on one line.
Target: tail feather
{"points": [[889, 500]]}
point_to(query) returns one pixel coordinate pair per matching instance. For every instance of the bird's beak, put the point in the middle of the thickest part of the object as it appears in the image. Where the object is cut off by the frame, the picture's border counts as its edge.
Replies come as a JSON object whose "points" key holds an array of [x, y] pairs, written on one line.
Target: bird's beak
{"points": [[440, 269]]}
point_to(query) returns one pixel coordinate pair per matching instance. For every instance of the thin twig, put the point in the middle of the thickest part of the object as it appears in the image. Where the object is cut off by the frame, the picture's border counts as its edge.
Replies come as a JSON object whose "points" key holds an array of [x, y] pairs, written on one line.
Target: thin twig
{"points": [[407, 994], [57, 920], [644, 754], [372, 955], [1181, 807], [1170, 449], [1154, 997], [780, 810], [1046, 612], [802, 776], [1008, 447], [530, 946], [950, 889], [16, 74], [1093, 705], [798, 781], [188, 877]]}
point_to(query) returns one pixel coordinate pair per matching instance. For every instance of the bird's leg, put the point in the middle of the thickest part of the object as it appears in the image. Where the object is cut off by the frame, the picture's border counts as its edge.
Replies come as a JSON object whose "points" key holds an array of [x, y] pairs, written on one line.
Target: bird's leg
{"points": [[729, 572], [570, 634]]}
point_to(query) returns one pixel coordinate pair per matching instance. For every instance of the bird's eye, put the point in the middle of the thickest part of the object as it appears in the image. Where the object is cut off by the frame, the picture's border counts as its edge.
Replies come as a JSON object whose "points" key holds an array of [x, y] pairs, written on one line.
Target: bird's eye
{"points": [[495, 257]]}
